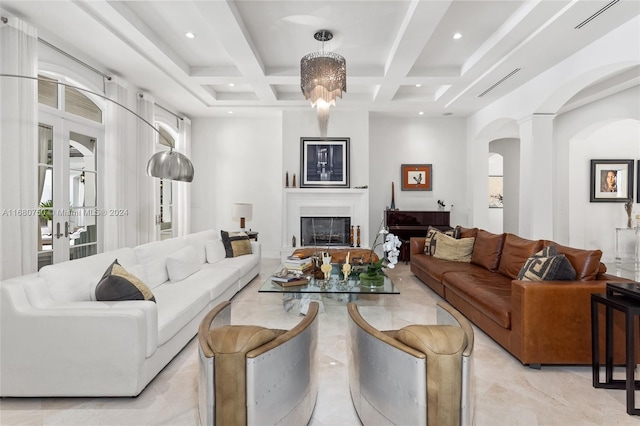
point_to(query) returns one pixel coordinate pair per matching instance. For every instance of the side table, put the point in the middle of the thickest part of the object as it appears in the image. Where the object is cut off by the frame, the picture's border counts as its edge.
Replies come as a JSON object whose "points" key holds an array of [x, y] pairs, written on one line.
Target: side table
{"points": [[624, 297]]}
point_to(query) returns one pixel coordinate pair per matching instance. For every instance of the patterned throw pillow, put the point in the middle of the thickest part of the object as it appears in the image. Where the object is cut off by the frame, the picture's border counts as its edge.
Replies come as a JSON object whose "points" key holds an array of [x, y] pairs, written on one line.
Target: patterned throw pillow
{"points": [[235, 243], [432, 233], [118, 284], [547, 265]]}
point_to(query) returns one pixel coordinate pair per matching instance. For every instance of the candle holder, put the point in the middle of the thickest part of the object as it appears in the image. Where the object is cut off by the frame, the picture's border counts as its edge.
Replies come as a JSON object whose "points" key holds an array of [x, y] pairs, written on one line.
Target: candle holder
{"points": [[346, 270]]}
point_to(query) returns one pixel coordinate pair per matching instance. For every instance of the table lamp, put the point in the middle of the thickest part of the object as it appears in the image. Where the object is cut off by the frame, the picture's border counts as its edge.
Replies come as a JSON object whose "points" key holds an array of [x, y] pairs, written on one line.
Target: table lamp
{"points": [[242, 211]]}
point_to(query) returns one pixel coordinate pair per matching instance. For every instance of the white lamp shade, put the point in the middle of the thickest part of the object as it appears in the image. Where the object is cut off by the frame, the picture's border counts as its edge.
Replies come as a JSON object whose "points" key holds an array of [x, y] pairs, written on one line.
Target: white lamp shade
{"points": [[242, 210]]}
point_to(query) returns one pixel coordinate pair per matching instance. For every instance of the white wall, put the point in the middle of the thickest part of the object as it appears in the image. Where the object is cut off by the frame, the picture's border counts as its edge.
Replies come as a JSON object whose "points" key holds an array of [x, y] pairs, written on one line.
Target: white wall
{"points": [[592, 225], [440, 142], [342, 123], [580, 137], [238, 160], [605, 129]]}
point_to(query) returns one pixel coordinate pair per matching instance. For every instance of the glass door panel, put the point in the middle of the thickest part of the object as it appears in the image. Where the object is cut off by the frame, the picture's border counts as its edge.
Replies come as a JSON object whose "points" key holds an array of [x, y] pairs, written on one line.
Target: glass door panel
{"points": [[68, 190], [166, 209], [82, 178], [45, 191]]}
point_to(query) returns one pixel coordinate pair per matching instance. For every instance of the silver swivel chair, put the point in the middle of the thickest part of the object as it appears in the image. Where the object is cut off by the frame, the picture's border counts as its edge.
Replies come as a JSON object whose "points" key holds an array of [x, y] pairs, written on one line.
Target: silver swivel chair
{"points": [[252, 375], [418, 375]]}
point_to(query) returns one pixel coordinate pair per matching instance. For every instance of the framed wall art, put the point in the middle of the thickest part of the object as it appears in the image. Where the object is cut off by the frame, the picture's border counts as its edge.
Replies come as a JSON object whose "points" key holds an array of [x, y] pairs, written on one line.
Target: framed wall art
{"points": [[417, 177], [496, 192], [324, 162], [611, 181]]}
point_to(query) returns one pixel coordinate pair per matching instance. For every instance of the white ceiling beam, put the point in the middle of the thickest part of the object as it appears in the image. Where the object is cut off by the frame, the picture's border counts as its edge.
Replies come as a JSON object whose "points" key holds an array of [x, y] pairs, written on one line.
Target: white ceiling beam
{"points": [[231, 32], [133, 32], [420, 22]]}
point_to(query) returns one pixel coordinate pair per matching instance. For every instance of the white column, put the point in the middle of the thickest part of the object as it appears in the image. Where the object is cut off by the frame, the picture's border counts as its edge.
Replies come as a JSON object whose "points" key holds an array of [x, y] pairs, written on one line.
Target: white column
{"points": [[536, 177], [182, 200], [146, 184], [18, 149]]}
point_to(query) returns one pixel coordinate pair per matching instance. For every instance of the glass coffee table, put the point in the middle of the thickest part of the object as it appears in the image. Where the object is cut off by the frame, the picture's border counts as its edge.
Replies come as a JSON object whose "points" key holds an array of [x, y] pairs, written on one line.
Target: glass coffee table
{"points": [[297, 298]]}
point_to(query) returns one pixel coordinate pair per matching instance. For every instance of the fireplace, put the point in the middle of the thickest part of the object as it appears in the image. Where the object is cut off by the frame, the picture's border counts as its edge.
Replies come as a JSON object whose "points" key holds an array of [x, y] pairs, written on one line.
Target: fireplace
{"points": [[324, 231]]}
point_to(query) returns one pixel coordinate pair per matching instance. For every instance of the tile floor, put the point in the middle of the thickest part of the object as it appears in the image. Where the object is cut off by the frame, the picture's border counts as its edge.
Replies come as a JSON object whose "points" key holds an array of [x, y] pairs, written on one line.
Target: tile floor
{"points": [[507, 393]]}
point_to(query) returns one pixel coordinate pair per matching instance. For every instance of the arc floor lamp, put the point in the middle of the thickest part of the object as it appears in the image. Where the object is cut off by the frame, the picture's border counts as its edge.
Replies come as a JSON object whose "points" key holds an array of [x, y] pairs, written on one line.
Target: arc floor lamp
{"points": [[170, 165]]}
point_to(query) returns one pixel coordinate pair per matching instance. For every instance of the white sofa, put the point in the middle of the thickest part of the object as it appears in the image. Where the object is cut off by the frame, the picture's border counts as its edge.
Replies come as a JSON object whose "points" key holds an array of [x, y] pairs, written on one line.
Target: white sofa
{"points": [[56, 340]]}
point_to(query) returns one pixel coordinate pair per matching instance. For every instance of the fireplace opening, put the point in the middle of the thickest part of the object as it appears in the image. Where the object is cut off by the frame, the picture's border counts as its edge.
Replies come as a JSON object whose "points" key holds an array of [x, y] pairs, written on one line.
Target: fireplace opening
{"points": [[324, 231]]}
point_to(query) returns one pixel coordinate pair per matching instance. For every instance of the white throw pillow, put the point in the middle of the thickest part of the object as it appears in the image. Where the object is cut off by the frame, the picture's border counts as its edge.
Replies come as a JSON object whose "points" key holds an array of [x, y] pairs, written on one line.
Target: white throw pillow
{"points": [[156, 272], [182, 263], [215, 251]]}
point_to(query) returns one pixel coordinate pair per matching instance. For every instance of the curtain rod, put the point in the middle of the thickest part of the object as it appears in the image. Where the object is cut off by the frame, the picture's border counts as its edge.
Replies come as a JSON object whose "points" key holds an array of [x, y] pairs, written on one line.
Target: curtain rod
{"points": [[97, 71], [84, 64], [68, 55], [169, 111]]}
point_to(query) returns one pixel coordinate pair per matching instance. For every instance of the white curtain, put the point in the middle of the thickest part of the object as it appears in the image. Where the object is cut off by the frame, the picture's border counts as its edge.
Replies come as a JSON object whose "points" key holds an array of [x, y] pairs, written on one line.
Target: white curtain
{"points": [[146, 184], [19, 226], [182, 200], [115, 159]]}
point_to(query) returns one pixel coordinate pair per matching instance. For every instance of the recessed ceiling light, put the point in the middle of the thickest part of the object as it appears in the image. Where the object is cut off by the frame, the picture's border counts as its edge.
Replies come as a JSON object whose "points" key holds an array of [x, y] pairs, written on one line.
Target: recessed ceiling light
{"points": [[232, 84], [421, 113], [189, 35], [418, 85], [456, 36], [229, 112]]}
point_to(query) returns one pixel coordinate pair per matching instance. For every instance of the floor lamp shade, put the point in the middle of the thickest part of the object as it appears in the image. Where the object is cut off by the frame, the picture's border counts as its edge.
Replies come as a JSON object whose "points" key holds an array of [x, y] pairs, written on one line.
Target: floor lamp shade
{"points": [[242, 211], [170, 165]]}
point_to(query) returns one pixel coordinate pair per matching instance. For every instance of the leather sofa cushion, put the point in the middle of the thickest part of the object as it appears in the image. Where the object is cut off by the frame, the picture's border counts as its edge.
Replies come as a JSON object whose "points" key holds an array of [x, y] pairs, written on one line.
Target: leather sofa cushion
{"points": [[585, 262], [466, 232], [436, 268], [487, 250], [489, 292], [515, 252]]}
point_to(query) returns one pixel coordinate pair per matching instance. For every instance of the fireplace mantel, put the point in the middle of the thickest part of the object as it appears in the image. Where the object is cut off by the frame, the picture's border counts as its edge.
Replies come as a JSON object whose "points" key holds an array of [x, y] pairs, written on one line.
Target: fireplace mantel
{"points": [[323, 202]]}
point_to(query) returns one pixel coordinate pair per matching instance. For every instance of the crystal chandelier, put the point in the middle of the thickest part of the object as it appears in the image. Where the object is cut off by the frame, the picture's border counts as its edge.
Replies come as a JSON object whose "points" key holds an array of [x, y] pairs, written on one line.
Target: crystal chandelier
{"points": [[323, 78]]}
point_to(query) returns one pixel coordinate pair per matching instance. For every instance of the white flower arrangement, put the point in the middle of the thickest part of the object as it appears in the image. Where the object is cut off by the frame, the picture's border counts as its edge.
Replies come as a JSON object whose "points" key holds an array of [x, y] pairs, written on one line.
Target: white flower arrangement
{"points": [[390, 248]]}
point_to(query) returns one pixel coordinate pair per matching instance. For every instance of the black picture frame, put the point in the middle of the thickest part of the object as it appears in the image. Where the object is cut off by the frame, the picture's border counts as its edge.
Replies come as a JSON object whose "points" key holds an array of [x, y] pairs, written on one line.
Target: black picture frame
{"points": [[638, 182], [324, 162], [611, 181]]}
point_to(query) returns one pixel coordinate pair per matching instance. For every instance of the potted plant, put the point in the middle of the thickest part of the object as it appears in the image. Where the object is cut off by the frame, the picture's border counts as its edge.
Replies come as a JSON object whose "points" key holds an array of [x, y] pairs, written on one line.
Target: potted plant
{"points": [[374, 276]]}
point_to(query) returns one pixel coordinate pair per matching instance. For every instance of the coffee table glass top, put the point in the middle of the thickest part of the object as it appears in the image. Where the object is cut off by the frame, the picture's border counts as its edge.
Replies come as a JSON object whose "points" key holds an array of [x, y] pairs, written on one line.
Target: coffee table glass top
{"points": [[335, 284]]}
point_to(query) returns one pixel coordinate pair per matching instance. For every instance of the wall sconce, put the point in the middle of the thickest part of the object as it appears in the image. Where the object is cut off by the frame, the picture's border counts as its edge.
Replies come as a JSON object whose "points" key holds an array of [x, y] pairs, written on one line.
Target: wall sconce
{"points": [[242, 211]]}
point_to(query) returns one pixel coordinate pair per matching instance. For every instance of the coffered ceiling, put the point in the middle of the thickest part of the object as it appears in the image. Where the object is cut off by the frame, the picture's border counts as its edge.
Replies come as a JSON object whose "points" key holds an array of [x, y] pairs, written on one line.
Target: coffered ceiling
{"points": [[401, 56]]}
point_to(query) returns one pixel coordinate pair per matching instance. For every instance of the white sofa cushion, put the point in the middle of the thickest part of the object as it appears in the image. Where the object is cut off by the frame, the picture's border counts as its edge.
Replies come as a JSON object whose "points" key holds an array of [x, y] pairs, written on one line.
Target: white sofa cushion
{"points": [[183, 263], [76, 280], [246, 262], [215, 251], [198, 241], [153, 256]]}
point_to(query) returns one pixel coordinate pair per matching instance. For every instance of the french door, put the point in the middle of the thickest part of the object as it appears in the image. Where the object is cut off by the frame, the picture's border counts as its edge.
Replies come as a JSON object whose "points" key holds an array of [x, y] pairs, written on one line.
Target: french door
{"points": [[68, 188]]}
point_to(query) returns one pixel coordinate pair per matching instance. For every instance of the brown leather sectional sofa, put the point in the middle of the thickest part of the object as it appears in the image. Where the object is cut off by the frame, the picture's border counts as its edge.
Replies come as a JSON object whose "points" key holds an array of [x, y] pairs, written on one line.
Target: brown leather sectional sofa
{"points": [[547, 322]]}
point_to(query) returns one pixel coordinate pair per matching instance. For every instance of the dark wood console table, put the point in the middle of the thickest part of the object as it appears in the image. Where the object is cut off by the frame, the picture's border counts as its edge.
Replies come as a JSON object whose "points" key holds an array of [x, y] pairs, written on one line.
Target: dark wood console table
{"points": [[623, 297], [413, 223]]}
